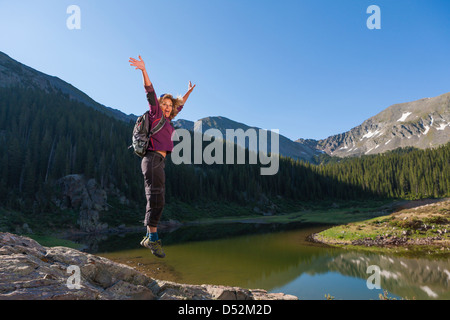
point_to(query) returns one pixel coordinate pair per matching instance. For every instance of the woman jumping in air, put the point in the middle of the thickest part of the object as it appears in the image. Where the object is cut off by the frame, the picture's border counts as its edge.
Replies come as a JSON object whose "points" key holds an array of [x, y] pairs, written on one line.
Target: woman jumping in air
{"points": [[153, 163]]}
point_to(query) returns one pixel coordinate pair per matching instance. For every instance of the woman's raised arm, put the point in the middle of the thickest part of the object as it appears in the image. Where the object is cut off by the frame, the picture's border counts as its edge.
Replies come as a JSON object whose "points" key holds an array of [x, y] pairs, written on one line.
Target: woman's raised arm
{"points": [[155, 110], [140, 64]]}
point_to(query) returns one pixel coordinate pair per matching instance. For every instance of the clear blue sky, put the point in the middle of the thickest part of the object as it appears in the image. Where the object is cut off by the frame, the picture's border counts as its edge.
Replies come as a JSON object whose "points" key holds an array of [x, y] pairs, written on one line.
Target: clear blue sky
{"points": [[309, 68]]}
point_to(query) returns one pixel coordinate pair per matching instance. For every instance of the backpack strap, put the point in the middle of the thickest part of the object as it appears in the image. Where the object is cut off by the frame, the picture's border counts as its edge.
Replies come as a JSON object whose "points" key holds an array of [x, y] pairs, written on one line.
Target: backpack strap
{"points": [[158, 127]]}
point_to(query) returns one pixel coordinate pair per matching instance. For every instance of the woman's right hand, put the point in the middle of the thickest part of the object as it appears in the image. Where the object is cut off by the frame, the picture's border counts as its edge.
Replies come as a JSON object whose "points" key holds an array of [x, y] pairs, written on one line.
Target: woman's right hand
{"points": [[139, 64]]}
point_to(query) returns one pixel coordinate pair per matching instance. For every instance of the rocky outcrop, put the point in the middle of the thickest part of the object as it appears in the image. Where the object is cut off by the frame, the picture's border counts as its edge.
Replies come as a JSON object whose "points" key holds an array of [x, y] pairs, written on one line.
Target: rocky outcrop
{"points": [[30, 271], [76, 192]]}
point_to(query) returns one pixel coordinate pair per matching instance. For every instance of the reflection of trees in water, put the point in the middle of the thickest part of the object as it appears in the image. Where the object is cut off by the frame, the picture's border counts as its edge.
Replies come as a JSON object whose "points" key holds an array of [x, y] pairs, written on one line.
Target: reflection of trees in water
{"points": [[90, 242], [205, 232], [410, 278], [103, 242]]}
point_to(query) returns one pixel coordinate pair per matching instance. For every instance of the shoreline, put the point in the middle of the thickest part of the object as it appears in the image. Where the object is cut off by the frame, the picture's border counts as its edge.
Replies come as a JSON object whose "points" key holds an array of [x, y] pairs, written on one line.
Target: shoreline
{"points": [[415, 228], [382, 242]]}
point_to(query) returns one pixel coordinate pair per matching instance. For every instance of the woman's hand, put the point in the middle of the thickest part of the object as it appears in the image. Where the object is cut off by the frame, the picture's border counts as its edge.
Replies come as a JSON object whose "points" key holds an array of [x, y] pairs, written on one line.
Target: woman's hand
{"points": [[139, 64], [190, 88]]}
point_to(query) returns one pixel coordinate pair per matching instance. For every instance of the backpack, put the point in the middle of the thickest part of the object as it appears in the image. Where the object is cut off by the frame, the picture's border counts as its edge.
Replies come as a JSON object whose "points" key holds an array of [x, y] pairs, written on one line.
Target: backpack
{"points": [[141, 134]]}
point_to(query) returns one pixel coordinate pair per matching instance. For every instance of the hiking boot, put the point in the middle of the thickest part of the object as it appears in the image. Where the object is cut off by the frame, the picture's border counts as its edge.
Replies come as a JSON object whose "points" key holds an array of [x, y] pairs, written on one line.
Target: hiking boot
{"points": [[155, 247]]}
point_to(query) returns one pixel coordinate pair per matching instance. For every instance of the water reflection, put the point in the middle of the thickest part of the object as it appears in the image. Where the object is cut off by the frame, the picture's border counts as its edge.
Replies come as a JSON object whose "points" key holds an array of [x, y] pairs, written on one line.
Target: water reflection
{"points": [[418, 278], [262, 256]]}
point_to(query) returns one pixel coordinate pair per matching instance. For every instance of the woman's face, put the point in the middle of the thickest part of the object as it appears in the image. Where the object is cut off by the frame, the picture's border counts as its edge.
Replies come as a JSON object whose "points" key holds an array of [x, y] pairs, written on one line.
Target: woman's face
{"points": [[167, 107]]}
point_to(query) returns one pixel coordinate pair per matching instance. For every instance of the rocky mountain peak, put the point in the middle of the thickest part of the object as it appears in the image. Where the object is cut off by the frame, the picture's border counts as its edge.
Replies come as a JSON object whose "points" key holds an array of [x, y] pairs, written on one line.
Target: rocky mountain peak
{"points": [[422, 124]]}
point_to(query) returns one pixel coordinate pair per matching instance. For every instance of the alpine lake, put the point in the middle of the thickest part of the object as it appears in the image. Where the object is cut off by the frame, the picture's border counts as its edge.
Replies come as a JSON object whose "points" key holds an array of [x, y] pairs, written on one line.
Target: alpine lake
{"points": [[278, 258]]}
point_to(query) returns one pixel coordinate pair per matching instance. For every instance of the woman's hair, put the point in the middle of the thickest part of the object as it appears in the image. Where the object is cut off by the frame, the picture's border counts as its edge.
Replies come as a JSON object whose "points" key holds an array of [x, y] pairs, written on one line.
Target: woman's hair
{"points": [[176, 102]]}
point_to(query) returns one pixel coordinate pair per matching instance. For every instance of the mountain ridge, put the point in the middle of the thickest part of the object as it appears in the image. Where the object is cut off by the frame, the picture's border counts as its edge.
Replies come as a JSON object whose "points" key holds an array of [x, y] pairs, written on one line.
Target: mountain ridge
{"points": [[287, 147], [14, 73], [421, 123]]}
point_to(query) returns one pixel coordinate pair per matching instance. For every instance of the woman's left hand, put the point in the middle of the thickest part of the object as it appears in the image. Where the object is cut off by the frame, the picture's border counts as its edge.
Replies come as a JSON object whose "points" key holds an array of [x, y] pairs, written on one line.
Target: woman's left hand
{"points": [[191, 87], [186, 96]]}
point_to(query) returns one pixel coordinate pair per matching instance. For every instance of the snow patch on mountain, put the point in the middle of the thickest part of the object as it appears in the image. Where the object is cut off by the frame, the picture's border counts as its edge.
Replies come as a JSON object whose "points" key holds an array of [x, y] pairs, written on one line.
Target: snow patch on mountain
{"points": [[404, 116]]}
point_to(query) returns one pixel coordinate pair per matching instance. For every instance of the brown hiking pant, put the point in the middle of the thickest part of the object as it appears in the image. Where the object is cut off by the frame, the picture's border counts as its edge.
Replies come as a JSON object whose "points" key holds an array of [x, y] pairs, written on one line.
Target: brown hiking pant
{"points": [[153, 165]]}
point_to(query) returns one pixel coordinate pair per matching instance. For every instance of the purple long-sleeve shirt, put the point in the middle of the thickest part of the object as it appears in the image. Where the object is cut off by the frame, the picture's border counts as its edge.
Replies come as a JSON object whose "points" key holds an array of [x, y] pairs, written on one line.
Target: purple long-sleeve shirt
{"points": [[162, 140]]}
